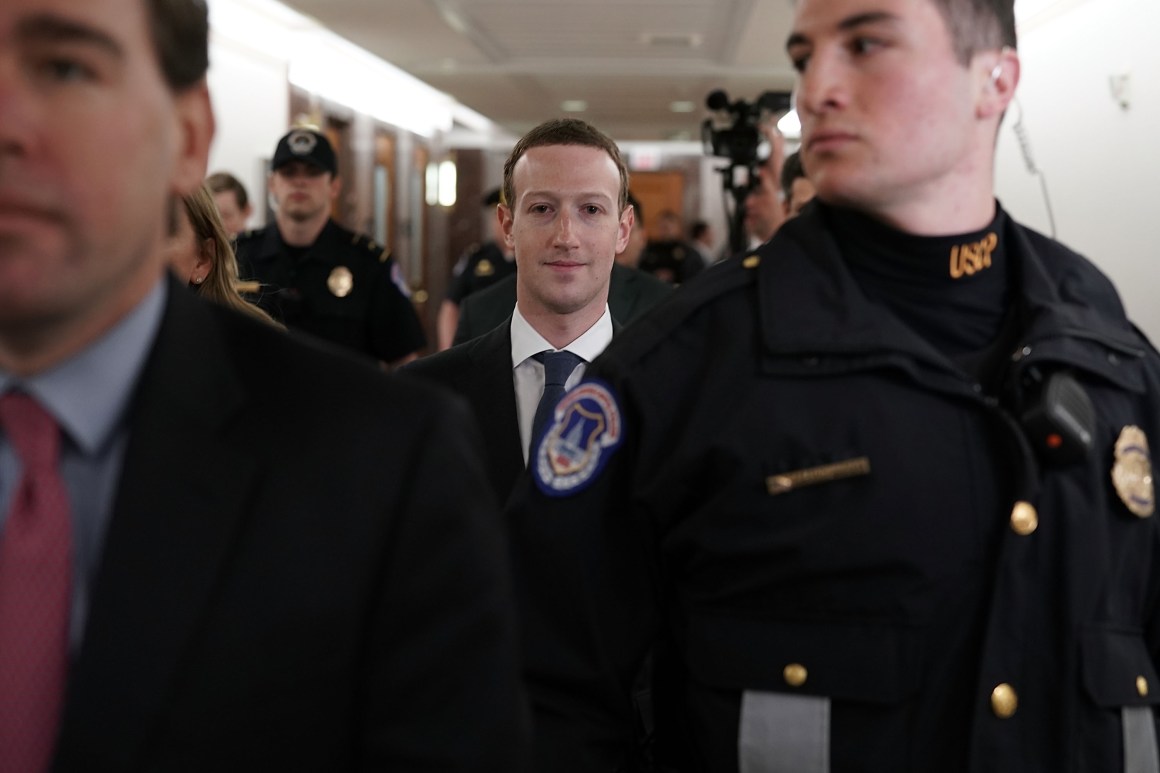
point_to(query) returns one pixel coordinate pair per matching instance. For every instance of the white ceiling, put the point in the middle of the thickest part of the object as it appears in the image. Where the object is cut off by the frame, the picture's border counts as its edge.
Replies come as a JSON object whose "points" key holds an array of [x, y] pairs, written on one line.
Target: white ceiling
{"points": [[516, 61]]}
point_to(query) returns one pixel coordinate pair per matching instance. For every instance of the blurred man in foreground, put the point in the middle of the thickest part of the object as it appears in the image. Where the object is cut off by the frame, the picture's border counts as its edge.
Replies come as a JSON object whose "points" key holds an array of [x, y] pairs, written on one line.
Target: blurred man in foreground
{"points": [[187, 580]]}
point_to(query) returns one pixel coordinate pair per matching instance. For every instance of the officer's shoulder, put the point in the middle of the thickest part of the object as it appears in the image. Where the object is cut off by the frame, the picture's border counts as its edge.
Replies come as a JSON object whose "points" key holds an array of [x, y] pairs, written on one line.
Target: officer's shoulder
{"points": [[250, 235], [365, 244], [718, 284]]}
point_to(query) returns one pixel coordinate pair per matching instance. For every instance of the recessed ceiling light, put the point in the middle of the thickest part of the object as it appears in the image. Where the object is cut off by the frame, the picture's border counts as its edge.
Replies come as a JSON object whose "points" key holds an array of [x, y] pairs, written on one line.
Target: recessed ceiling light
{"points": [[682, 106], [573, 105]]}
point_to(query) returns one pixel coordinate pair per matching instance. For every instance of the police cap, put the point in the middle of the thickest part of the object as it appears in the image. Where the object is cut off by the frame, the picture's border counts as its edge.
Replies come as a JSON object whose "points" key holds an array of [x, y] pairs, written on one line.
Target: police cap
{"points": [[306, 145]]}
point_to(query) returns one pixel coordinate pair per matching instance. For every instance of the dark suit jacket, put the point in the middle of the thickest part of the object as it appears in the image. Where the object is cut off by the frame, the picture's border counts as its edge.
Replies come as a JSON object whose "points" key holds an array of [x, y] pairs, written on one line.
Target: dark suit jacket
{"points": [[630, 294], [287, 583], [481, 371]]}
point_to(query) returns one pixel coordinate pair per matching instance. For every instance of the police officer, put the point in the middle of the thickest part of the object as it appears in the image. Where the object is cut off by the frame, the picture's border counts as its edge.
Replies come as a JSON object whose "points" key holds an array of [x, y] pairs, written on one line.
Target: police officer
{"points": [[881, 491], [317, 276], [482, 266]]}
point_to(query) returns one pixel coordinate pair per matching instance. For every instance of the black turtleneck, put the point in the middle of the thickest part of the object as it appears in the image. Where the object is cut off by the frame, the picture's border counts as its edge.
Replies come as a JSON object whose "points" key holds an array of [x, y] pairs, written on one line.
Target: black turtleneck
{"points": [[954, 291]]}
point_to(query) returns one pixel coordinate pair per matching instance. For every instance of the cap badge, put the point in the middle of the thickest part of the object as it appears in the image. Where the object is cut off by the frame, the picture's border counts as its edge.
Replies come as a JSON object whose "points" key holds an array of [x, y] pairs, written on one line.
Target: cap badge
{"points": [[1132, 472], [301, 143], [340, 282]]}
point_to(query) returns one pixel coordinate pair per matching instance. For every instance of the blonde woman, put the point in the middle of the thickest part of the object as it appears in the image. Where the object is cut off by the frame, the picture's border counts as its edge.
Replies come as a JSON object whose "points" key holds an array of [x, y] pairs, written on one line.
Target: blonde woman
{"points": [[200, 253]]}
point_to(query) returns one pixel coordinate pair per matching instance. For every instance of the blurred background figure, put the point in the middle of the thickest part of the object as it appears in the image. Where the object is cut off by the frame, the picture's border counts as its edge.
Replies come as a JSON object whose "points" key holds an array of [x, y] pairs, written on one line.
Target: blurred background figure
{"points": [[669, 256], [701, 239], [199, 251], [796, 188], [481, 266], [763, 209], [233, 203]]}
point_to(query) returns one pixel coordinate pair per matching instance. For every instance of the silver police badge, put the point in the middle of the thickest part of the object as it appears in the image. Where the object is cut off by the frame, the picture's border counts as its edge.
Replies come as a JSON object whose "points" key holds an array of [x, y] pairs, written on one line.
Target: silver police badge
{"points": [[340, 282], [301, 143], [1132, 472]]}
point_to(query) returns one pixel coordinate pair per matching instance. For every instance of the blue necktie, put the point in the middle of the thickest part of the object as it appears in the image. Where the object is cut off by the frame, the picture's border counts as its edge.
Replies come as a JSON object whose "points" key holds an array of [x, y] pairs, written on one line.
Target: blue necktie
{"points": [[558, 366]]}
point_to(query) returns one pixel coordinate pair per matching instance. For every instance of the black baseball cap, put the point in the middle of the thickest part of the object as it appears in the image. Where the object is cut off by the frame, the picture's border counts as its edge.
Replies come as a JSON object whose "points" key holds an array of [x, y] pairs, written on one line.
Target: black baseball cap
{"points": [[306, 145]]}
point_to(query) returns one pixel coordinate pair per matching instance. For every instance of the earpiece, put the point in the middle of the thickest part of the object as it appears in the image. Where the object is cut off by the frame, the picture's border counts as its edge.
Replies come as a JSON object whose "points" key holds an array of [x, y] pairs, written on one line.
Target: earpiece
{"points": [[997, 70]]}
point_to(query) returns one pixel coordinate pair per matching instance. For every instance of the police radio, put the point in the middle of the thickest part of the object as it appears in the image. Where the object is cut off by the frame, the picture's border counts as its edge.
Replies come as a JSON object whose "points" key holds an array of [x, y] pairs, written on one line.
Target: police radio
{"points": [[1057, 416]]}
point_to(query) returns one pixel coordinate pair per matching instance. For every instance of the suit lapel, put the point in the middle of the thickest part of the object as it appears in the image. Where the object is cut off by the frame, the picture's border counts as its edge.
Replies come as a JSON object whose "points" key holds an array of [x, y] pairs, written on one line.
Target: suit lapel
{"points": [[621, 299], [179, 501], [494, 396]]}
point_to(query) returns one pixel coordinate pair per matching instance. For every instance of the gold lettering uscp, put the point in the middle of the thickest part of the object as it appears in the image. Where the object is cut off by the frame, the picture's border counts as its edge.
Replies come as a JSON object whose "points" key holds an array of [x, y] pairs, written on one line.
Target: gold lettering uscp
{"points": [[969, 259]]}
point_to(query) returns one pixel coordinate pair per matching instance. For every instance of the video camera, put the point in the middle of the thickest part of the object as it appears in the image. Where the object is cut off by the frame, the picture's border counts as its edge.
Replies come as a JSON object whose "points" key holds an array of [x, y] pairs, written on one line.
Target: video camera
{"points": [[733, 132]]}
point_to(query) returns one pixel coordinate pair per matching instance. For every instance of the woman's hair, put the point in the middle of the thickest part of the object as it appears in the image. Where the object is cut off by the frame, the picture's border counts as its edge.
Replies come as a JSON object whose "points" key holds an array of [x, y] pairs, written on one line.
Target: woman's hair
{"points": [[221, 284]]}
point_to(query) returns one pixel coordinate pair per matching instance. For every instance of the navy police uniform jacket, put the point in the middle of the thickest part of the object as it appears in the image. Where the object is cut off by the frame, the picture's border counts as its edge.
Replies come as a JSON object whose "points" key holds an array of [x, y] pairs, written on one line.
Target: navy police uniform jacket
{"points": [[847, 555], [341, 290]]}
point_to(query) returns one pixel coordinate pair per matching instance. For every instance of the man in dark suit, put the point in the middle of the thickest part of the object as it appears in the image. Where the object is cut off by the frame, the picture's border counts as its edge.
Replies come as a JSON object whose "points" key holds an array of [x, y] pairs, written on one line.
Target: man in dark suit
{"points": [[189, 578], [631, 292], [565, 216]]}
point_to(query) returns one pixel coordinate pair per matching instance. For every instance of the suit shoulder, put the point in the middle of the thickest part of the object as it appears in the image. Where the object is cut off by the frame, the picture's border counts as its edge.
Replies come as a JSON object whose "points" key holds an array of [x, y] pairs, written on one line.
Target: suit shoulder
{"points": [[716, 285], [440, 365], [299, 375]]}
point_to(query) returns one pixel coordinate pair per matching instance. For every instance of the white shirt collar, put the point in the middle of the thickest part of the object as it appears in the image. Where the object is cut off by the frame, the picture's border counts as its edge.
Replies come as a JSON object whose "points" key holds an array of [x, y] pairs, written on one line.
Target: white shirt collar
{"points": [[526, 341]]}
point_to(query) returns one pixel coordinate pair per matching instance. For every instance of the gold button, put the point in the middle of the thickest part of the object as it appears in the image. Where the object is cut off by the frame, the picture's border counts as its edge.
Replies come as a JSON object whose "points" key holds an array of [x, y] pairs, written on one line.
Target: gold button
{"points": [[751, 261], [1004, 701], [1024, 519], [1142, 686], [795, 674]]}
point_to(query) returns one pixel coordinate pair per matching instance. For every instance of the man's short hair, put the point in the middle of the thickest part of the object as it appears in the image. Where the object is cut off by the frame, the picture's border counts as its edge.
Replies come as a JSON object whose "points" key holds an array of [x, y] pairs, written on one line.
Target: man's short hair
{"points": [[180, 32], [222, 182], [564, 131], [978, 25]]}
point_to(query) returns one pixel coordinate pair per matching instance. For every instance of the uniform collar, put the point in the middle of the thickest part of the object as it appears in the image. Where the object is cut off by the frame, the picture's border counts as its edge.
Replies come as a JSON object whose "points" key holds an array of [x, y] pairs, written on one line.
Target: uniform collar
{"points": [[811, 304]]}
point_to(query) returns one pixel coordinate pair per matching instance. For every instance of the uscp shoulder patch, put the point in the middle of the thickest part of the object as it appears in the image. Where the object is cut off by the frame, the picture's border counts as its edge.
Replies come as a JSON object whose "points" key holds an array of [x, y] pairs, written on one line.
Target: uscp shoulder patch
{"points": [[585, 429], [1132, 472]]}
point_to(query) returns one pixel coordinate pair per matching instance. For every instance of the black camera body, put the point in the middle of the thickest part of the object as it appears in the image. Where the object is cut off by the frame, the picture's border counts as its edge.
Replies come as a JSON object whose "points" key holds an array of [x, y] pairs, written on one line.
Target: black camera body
{"points": [[734, 133], [740, 140]]}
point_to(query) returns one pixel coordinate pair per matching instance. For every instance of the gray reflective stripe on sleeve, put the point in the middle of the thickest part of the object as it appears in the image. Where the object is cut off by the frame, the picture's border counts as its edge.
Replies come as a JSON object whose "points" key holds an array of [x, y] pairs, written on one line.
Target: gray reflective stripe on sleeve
{"points": [[1140, 754], [782, 733]]}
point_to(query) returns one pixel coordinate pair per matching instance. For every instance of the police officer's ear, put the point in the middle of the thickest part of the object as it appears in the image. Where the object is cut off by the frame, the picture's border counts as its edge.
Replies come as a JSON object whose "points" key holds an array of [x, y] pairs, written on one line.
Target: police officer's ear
{"points": [[998, 74]]}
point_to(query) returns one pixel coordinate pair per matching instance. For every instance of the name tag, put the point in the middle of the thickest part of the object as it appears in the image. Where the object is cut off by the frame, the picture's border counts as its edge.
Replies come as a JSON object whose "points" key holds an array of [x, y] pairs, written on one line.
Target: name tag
{"points": [[785, 482]]}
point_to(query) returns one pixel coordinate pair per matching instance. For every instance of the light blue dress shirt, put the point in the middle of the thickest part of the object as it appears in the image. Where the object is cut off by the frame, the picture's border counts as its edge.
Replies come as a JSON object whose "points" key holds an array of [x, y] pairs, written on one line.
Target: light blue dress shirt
{"points": [[88, 394]]}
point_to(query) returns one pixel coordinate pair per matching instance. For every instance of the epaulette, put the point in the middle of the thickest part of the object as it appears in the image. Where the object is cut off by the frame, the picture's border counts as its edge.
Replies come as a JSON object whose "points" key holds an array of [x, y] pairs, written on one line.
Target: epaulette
{"points": [[659, 323], [362, 240]]}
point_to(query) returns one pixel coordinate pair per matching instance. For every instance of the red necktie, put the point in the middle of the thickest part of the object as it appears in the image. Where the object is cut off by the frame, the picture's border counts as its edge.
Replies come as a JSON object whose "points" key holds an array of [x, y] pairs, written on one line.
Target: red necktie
{"points": [[35, 572]]}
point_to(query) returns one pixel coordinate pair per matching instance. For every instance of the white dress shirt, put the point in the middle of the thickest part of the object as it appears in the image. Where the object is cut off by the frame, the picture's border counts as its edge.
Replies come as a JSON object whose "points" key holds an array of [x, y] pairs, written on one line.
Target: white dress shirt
{"points": [[528, 374]]}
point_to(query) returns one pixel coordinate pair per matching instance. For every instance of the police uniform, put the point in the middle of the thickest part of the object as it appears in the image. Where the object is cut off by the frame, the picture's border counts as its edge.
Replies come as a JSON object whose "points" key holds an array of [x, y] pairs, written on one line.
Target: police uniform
{"points": [[340, 289], [857, 557], [485, 264]]}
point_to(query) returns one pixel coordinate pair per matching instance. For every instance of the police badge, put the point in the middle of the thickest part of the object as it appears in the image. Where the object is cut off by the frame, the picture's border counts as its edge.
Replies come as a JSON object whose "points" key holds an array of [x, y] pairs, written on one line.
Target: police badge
{"points": [[1132, 472], [340, 282]]}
